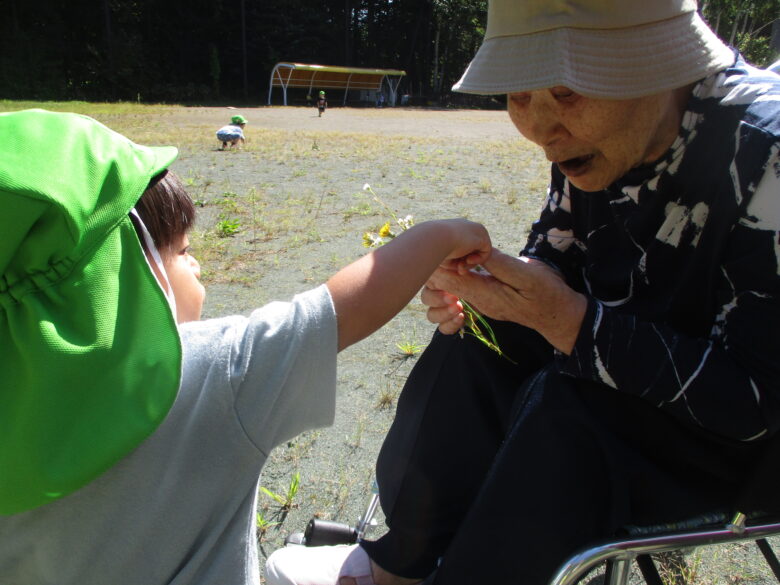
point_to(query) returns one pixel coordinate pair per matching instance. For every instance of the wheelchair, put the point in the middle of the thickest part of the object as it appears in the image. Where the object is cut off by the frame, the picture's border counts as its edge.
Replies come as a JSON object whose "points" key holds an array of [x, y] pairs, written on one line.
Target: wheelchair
{"points": [[755, 516]]}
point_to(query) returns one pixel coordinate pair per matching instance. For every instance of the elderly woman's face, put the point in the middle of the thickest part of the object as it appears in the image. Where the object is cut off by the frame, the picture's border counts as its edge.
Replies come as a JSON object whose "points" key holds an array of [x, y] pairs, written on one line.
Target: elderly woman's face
{"points": [[594, 141]]}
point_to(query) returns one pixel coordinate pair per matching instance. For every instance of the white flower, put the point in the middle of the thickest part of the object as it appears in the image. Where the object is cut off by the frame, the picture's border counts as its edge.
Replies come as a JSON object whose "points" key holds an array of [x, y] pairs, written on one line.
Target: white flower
{"points": [[406, 222], [366, 187]]}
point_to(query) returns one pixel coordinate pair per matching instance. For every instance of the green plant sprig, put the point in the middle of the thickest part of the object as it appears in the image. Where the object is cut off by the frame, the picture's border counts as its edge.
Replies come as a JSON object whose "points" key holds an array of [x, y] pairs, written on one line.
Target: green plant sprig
{"points": [[474, 324], [227, 227], [367, 187], [285, 501], [263, 524], [409, 349]]}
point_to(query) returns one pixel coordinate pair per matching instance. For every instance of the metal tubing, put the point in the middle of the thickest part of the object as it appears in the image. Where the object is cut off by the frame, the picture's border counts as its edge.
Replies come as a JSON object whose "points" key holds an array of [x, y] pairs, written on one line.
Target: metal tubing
{"points": [[769, 556], [582, 562]]}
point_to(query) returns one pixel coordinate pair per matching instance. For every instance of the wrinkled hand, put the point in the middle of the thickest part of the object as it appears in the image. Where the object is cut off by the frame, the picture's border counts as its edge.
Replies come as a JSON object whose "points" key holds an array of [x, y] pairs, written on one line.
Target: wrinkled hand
{"points": [[520, 290]]}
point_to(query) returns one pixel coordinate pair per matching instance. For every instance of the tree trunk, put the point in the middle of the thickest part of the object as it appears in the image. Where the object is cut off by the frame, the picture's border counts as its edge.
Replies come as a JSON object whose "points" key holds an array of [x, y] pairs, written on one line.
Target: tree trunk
{"points": [[109, 38], [243, 49], [436, 73], [413, 40], [369, 46], [444, 62], [734, 29], [745, 24], [347, 32], [354, 47]]}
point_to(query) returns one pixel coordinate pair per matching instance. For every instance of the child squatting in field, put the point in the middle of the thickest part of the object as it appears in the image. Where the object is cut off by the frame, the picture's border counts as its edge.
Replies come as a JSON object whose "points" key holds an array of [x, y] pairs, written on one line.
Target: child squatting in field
{"points": [[132, 434], [232, 134]]}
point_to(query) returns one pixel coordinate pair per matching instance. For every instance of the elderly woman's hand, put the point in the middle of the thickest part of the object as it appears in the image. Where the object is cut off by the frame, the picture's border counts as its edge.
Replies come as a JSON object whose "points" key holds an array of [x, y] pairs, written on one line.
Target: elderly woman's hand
{"points": [[444, 309], [521, 290]]}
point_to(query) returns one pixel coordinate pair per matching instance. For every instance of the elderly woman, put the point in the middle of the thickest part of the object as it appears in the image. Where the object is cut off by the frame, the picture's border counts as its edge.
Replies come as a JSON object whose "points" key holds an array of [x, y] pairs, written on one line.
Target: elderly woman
{"points": [[642, 317]]}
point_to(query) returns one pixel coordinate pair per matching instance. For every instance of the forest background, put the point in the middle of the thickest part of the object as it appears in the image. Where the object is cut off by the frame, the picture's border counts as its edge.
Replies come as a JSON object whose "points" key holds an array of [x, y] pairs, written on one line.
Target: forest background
{"points": [[222, 51]]}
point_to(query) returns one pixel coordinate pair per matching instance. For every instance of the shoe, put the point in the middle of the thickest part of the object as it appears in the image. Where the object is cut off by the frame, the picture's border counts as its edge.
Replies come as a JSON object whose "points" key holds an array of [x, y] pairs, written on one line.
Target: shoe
{"points": [[318, 565]]}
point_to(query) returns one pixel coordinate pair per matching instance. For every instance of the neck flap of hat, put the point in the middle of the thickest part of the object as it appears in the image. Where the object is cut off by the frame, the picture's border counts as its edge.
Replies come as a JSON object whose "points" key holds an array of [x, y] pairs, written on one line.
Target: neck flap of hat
{"points": [[91, 358]]}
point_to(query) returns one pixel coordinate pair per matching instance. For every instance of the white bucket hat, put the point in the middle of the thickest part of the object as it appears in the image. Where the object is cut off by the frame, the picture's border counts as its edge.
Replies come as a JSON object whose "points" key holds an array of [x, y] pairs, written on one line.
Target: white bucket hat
{"points": [[610, 49]]}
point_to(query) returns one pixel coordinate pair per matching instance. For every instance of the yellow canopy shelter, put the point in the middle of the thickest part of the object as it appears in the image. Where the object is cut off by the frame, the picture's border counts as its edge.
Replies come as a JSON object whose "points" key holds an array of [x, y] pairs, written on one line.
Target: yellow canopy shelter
{"points": [[286, 75]]}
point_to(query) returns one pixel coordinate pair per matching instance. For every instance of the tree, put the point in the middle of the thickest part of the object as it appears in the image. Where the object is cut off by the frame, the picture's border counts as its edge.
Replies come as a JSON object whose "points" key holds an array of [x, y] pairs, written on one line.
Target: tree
{"points": [[463, 23], [746, 25]]}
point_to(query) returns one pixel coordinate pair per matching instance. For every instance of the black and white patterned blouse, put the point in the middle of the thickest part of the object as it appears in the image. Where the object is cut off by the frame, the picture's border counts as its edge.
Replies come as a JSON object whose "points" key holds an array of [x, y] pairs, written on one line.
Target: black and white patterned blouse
{"points": [[680, 261]]}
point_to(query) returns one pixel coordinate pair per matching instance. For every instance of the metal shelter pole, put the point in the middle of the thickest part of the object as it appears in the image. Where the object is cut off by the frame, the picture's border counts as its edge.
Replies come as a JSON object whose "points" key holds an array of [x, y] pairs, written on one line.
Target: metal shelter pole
{"points": [[346, 90], [281, 84], [313, 75], [271, 83], [393, 89], [290, 69]]}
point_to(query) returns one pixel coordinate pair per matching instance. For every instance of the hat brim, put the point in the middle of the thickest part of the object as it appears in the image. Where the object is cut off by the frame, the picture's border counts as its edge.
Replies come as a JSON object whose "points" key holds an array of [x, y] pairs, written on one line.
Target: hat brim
{"points": [[620, 63]]}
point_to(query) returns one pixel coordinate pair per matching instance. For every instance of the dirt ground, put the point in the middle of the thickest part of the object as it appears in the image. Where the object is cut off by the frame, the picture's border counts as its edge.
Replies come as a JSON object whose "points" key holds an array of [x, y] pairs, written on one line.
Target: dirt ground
{"points": [[477, 125], [280, 215]]}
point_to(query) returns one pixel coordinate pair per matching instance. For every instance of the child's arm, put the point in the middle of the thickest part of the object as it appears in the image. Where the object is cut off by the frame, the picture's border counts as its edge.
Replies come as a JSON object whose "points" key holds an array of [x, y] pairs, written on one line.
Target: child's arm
{"points": [[370, 291]]}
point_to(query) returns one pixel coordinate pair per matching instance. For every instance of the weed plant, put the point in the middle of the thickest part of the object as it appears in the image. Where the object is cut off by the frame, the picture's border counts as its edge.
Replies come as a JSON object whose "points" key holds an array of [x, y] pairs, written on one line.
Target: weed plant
{"points": [[286, 500], [227, 227]]}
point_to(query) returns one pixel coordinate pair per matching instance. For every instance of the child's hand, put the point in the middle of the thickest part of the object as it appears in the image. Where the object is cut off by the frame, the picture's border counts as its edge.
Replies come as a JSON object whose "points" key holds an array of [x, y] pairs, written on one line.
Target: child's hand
{"points": [[471, 245], [370, 291]]}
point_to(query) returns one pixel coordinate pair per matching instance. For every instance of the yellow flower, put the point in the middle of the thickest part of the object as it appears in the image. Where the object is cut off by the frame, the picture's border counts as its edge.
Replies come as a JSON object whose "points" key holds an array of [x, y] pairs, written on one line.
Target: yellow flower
{"points": [[384, 231]]}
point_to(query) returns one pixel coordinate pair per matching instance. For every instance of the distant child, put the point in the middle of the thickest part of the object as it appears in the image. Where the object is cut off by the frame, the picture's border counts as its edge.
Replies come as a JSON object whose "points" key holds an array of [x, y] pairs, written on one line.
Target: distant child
{"points": [[322, 103], [131, 447], [233, 133]]}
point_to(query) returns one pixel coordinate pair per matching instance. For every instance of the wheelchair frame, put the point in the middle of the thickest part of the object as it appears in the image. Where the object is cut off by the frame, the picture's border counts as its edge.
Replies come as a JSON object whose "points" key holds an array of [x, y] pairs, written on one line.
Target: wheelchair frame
{"points": [[618, 554]]}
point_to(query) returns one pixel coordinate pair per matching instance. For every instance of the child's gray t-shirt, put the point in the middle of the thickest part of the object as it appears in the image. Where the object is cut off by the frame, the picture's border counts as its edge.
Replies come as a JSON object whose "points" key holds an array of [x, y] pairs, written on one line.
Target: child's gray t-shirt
{"points": [[180, 508]]}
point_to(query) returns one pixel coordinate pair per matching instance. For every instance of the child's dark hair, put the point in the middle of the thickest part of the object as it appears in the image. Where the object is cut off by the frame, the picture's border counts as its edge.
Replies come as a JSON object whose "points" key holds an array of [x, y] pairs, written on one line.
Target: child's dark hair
{"points": [[166, 209]]}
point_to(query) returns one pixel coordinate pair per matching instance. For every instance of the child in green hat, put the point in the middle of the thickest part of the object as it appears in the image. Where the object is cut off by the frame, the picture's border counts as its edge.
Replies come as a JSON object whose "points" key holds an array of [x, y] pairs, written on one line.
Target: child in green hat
{"points": [[130, 446], [322, 103], [232, 134]]}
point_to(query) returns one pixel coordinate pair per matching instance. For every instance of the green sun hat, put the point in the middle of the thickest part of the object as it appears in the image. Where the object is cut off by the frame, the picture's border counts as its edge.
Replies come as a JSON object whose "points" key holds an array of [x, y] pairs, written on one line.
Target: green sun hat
{"points": [[238, 119], [91, 357]]}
